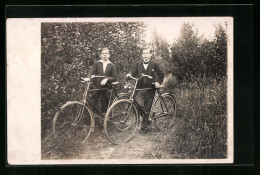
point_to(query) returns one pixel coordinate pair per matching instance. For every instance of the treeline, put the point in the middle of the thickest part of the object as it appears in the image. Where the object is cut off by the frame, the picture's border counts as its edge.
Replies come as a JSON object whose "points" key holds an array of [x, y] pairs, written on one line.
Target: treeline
{"points": [[192, 55]]}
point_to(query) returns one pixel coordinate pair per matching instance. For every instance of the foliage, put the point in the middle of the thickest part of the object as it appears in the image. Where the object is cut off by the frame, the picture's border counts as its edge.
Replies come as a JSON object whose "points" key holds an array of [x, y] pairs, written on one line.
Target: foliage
{"points": [[198, 82], [215, 53], [195, 55], [161, 53]]}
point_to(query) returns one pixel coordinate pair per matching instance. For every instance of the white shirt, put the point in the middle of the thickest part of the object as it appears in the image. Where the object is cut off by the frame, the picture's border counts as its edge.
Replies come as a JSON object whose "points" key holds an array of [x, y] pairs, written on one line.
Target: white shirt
{"points": [[145, 65], [105, 63]]}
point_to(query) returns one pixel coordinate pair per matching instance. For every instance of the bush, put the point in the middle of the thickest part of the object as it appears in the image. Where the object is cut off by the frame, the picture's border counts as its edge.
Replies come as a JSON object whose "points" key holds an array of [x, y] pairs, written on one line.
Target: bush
{"points": [[169, 82]]}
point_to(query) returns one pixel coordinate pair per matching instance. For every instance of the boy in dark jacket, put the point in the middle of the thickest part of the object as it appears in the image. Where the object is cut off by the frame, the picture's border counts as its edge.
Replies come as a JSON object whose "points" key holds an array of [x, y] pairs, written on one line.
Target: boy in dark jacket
{"points": [[103, 67], [144, 97]]}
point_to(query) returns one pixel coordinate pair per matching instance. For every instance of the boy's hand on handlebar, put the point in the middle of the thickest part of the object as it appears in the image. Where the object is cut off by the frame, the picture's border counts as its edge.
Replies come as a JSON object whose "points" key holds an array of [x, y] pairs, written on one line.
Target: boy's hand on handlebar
{"points": [[157, 85], [92, 76], [148, 76], [104, 81], [86, 79], [128, 75]]}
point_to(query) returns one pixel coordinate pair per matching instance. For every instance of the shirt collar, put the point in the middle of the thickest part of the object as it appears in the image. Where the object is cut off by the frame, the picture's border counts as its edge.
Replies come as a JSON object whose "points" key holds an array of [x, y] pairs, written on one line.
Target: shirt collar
{"points": [[101, 61]]}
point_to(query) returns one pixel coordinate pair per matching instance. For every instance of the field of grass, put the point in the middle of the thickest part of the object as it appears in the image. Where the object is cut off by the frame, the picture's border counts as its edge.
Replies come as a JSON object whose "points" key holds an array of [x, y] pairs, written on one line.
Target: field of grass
{"points": [[201, 131]]}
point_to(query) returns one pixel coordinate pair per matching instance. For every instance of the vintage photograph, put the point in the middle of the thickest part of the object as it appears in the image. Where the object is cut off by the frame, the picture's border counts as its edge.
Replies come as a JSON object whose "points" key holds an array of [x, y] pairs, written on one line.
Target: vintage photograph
{"points": [[136, 89], [139, 90]]}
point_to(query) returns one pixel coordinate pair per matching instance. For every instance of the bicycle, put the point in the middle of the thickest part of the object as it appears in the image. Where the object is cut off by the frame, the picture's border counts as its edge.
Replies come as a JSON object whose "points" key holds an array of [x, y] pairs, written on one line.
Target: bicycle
{"points": [[75, 120], [123, 117]]}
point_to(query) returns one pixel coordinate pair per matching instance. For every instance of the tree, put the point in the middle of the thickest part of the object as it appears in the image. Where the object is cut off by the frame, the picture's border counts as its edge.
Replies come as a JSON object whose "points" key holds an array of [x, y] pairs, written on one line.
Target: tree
{"points": [[186, 52], [162, 54], [220, 51], [196, 56]]}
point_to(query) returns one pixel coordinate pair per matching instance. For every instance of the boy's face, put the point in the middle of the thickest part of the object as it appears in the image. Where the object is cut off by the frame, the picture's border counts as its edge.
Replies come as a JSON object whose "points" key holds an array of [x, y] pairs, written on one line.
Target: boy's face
{"points": [[146, 55], [105, 55]]}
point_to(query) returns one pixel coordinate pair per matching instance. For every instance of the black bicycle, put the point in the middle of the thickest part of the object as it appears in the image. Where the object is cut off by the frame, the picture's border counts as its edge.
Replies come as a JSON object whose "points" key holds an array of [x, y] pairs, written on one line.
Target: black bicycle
{"points": [[75, 119], [123, 117]]}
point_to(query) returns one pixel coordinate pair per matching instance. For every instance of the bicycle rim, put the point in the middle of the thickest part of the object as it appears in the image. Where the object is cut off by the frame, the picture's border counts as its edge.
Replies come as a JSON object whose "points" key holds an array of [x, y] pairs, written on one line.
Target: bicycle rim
{"points": [[72, 124], [121, 121], [165, 112]]}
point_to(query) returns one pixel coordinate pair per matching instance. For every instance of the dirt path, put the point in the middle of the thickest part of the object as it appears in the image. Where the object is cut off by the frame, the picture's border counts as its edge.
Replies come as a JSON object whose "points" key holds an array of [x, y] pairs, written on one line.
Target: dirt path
{"points": [[152, 145], [142, 146]]}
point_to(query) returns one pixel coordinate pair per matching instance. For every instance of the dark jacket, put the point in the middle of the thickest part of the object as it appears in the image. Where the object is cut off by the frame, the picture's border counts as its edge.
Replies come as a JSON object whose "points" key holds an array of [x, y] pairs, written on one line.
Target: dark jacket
{"points": [[153, 70], [97, 69]]}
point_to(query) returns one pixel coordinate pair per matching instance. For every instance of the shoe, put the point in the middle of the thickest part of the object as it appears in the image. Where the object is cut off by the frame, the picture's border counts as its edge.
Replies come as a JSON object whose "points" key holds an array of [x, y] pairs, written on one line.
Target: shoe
{"points": [[144, 130], [147, 123]]}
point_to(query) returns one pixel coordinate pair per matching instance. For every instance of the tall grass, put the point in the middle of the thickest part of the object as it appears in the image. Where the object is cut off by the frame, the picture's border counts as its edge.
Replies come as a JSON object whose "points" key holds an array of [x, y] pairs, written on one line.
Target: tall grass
{"points": [[201, 131]]}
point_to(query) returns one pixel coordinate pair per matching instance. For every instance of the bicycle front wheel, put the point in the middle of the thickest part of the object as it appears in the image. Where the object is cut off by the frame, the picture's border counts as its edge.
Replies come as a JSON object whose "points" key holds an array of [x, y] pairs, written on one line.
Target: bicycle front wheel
{"points": [[165, 108], [119, 97], [122, 96], [73, 123], [121, 121]]}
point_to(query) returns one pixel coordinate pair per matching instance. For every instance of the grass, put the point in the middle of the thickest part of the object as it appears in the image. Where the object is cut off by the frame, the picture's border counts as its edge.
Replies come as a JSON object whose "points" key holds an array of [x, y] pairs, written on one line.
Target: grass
{"points": [[200, 130], [57, 148]]}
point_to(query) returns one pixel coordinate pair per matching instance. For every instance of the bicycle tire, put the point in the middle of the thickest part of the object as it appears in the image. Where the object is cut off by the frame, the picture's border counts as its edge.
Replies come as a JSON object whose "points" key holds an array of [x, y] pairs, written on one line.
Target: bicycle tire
{"points": [[121, 126], [120, 97], [73, 123], [166, 111]]}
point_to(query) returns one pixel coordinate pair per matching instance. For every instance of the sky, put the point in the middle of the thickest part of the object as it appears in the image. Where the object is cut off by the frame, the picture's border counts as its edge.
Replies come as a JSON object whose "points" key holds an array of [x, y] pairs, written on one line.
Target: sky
{"points": [[169, 28]]}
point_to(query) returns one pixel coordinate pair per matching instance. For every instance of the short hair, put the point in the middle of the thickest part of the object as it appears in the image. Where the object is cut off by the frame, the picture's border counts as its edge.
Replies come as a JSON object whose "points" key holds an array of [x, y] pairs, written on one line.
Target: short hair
{"points": [[104, 48], [146, 48]]}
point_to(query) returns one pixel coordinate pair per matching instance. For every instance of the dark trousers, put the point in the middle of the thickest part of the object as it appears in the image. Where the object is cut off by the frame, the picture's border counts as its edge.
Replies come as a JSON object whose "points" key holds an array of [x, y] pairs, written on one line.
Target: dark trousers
{"points": [[144, 98], [104, 96]]}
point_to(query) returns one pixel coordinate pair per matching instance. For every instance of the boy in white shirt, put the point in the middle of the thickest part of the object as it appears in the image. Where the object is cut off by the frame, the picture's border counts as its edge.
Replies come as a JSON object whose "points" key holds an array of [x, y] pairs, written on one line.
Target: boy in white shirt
{"points": [[103, 67]]}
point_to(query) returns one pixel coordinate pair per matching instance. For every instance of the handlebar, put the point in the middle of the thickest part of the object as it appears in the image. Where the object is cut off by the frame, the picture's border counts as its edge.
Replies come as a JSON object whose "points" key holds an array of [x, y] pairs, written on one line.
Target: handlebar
{"points": [[98, 76], [161, 86], [143, 75], [148, 76], [92, 77]]}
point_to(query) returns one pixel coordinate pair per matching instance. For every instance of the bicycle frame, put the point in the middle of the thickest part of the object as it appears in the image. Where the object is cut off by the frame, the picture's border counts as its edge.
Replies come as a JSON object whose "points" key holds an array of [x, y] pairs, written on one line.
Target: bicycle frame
{"points": [[151, 117], [157, 90], [112, 92]]}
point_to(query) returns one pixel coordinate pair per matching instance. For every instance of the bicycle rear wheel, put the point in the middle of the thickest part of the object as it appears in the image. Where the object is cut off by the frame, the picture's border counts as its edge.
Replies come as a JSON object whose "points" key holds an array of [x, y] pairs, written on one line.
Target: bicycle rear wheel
{"points": [[73, 123], [165, 108], [121, 121]]}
